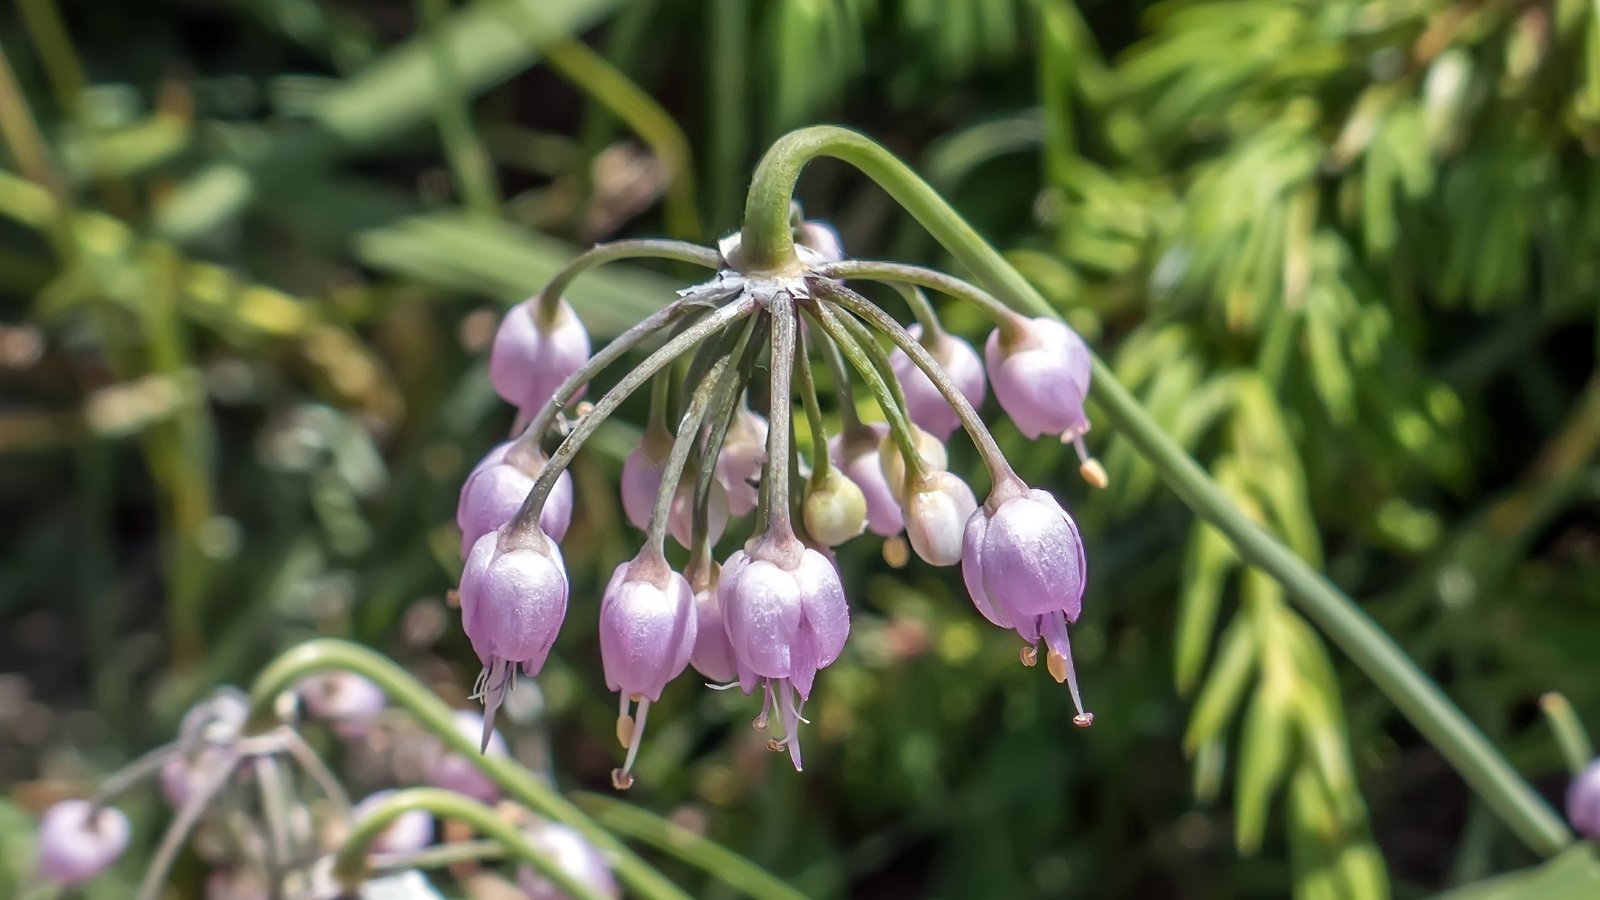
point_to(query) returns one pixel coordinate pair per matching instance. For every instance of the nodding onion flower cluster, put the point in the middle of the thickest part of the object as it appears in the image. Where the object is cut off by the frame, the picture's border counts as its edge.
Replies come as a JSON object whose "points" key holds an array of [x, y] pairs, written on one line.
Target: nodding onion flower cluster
{"points": [[774, 612]]}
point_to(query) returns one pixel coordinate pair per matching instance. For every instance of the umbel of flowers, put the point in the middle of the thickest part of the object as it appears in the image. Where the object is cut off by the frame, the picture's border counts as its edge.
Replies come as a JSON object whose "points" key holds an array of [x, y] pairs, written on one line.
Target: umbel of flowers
{"points": [[774, 612]]}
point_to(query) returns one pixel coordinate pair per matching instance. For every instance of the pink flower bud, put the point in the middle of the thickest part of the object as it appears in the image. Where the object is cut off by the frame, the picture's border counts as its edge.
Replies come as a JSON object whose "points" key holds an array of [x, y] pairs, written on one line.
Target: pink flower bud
{"points": [[926, 406], [1041, 378], [349, 703], [406, 833], [496, 487], [713, 652], [936, 517], [78, 841], [744, 451], [448, 769], [530, 359], [647, 633], [1023, 564], [786, 615], [860, 462], [574, 855], [1583, 802], [641, 482], [513, 599]]}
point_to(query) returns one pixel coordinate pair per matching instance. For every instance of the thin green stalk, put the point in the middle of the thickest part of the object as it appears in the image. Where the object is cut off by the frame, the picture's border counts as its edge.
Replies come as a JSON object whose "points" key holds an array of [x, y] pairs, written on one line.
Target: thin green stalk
{"points": [[780, 417], [921, 310], [678, 251], [350, 864], [527, 518], [723, 411], [1576, 748], [994, 458], [893, 413], [767, 244], [469, 163], [324, 654], [702, 852], [591, 73], [879, 359], [819, 432], [949, 285], [850, 417], [682, 444], [440, 856]]}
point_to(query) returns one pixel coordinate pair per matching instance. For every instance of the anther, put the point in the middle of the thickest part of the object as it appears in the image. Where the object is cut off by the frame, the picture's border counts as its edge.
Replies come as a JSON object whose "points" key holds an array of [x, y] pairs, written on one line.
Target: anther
{"points": [[1095, 474], [1057, 664], [621, 780], [624, 729], [1030, 655], [774, 744], [1083, 719], [896, 552]]}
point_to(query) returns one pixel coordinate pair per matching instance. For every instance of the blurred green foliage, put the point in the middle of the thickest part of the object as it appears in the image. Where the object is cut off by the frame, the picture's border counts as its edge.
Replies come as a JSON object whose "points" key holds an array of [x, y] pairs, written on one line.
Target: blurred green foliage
{"points": [[1345, 252]]}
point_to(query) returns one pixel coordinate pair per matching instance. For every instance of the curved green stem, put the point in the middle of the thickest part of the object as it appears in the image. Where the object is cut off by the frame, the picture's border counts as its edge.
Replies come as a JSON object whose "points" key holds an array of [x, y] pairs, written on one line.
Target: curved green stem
{"points": [[766, 241], [893, 412], [819, 432], [350, 864], [1577, 750], [682, 445], [527, 518], [705, 854], [1005, 318], [993, 457], [922, 310], [600, 254], [780, 417], [432, 714]]}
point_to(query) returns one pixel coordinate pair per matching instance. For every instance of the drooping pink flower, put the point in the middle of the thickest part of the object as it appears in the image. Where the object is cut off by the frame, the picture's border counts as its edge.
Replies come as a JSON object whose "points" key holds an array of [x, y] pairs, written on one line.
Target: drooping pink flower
{"points": [[406, 833], [445, 768], [78, 840], [1041, 378], [574, 855], [1023, 563], [1583, 801], [531, 358], [513, 600], [926, 406], [647, 634], [785, 612], [858, 458], [497, 485], [936, 517]]}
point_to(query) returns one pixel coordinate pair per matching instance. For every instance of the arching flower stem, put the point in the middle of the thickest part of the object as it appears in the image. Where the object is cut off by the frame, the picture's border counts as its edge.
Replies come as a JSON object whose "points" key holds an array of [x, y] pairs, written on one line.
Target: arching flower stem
{"points": [[776, 485], [677, 251], [808, 395], [350, 864], [1005, 481], [894, 414], [402, 690], [688, 435], [1005, 318], [767, 243]]}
